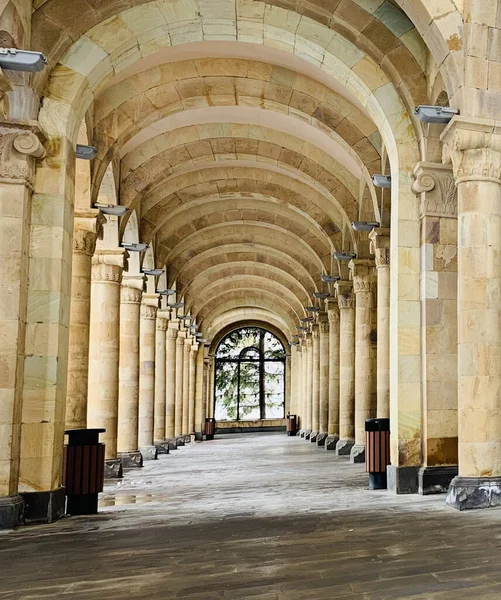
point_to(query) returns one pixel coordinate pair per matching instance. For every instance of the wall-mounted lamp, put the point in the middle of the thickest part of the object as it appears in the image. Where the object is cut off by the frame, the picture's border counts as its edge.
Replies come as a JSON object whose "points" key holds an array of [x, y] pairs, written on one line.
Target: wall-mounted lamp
{"points": [[344, 255], [306, 319], [85, 152], [131, 247], [435, 114], [203, 341], [112, 209], [321, 295], [329, 278], [166, 292], [364, 226], [199, 334], [176, 305], [313, 309], [381, 181], [153, 273], [22, 60]]}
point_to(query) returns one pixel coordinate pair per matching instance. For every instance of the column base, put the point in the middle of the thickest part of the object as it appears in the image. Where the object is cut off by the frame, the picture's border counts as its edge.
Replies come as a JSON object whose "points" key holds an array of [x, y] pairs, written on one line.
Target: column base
{"points": [[113, 469], [321, 437], [307, 434], [300, 432], [343, 447], [162, 447], [149, 452], [357, 454], [180, 440], [187, 439], [402, 480], [291, 433], [43, 507], [131, 460], [11, 511], [199, 436], [172, 443], [378, 481], [313, 436], [331, 442], [468, 493], [435, 480]]}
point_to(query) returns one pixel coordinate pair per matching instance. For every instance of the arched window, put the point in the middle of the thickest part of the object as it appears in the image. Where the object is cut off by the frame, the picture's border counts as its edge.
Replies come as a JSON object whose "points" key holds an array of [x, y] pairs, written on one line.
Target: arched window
{"points": [[250, 376]]}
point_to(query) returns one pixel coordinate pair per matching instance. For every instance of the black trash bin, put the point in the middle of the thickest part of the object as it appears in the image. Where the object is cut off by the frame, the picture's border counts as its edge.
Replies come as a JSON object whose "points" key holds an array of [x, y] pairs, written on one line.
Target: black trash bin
{"points": [[291, 425], [210, 428], [83, 470], [377, 451]]}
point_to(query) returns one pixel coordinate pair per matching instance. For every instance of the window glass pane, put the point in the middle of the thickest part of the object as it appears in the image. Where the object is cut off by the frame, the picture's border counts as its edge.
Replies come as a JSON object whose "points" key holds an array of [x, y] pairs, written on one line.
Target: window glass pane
{"points": [[274, 389], [249, 391], [226, 391]]}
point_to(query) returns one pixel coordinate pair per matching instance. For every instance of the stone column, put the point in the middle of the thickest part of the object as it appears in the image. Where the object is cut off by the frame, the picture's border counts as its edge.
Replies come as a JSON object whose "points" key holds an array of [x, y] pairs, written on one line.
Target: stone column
{"points": [[147, 331], [315, 393], [86, 229], [178, 424], [104, 348], [210, 387], [186, 389], [309, 385], [170, 383], [294, 380], [346, 303], [364, 286], [438, 202], [333, 417], [380, 247], [159, 437], [304, 403], [201, 374], [288, 383], [128, 384], [298, 384], [192, 392], [323, 413], [474, 148]]}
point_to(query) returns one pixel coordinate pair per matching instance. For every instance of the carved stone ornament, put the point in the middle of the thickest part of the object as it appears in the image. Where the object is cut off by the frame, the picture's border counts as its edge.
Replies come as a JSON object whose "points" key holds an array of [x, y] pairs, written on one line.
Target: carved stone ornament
{"points": [[108, 265], [345, 296], [324, 326], [435, 184], [148, 312], [380, 246], [363, 275], [87, 229], [162, 323], [19, 143], [131, 291]]}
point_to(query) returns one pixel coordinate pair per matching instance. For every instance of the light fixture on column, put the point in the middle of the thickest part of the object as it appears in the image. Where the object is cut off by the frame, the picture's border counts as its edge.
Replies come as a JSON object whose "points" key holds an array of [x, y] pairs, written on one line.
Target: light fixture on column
{"points": [[166, 292], [321, 295], [307, 319], [112, 209], [435, 114], [176, 305], [85, 152], [329, 278], [381, 181], [344, 255], [132, 247], [199, 334], [22, 60], [313, 309], [203, 340], [303, 327], [153, 273], [185, 317], [364, 225]]}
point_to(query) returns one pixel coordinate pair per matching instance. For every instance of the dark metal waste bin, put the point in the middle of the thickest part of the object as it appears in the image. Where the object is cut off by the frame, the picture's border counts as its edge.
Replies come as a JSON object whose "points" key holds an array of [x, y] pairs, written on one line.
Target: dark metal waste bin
{"points": [[210, 428], [291, 425], [83, 470], [377, 451]]}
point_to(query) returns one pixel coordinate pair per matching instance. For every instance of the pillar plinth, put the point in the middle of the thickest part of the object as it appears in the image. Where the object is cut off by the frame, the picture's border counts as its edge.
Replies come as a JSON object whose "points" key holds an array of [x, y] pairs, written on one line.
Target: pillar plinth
{"points": [[104, 345], [160, 376], [474, 148], [315, 384], [323, 412], [128, 387], [147, 336], [170, 379], [333, 371], [346, 303]]}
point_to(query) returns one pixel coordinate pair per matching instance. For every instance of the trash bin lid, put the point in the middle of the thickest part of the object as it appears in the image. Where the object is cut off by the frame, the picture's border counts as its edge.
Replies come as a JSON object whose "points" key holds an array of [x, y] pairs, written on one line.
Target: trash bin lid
{"points": [[377, 424]]}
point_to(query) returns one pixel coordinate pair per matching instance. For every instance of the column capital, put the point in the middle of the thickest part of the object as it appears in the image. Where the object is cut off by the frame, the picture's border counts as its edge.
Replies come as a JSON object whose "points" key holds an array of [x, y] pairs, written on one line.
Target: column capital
{"points": [[108, 265], [172, 330], [308, 340], [434, 183], [380, 246], [332, 308], [323, 322], [344, 291], [194, 350], [132, 289], [473, 147], [162, 322], [151, 300], [181, 337], [20, 143], [315, 331], [87, 229], [363, 274]]}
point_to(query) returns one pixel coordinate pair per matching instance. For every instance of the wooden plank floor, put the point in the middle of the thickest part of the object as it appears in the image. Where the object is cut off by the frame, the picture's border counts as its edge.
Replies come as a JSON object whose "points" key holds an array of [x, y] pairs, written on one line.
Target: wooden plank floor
{"points": [[256, 516]]}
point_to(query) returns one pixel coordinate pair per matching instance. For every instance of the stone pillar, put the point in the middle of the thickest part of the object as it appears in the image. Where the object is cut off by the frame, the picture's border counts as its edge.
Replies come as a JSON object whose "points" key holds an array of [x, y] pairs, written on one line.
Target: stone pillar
{"points": [[309, 385], [304, 403], [294, 380], [438, 202], [200, 401], [147, 331], [160, 382], [104, 348], [25, 355], [186, 388], [192, 388], [346, 303], [299, 380], [474, 148], [128, 384], [324, 379], [86, 229], [288, 383], [210, 387], [364, 286], [170, 383], [380, 246], [333, 417], [315, 384], [178, 423]]}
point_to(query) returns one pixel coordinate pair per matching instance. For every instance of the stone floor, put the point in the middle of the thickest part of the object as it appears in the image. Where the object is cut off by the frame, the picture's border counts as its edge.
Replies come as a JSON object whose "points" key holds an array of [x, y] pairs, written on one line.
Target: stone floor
{"points": [[257, 516]]}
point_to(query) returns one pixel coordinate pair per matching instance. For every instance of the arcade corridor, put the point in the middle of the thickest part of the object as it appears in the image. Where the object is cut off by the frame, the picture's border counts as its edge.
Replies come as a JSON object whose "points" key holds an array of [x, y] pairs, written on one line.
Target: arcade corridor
{"points": [[256, 516]]}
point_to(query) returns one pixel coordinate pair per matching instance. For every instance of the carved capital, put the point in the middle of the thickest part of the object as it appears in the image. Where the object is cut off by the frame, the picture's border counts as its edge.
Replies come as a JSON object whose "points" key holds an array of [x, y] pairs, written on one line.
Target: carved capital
{"points": [[380, 246], [151, 300], [323, 324], [20, 143], [87, 229], [172, 330], [148, 312], [434, 183], [108, 265], [363, 275], [473, 147], [130, 295], [345, 297], [332, 307]]}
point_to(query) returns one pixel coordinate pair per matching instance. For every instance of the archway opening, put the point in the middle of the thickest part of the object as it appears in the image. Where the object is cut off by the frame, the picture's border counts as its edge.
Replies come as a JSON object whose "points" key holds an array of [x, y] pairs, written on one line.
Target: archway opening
{"points": [[249, 376]]}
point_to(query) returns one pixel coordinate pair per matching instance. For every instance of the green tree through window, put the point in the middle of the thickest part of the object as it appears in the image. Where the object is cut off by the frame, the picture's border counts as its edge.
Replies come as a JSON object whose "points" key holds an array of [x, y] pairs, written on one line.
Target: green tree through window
{"points": [[250, 376]]}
